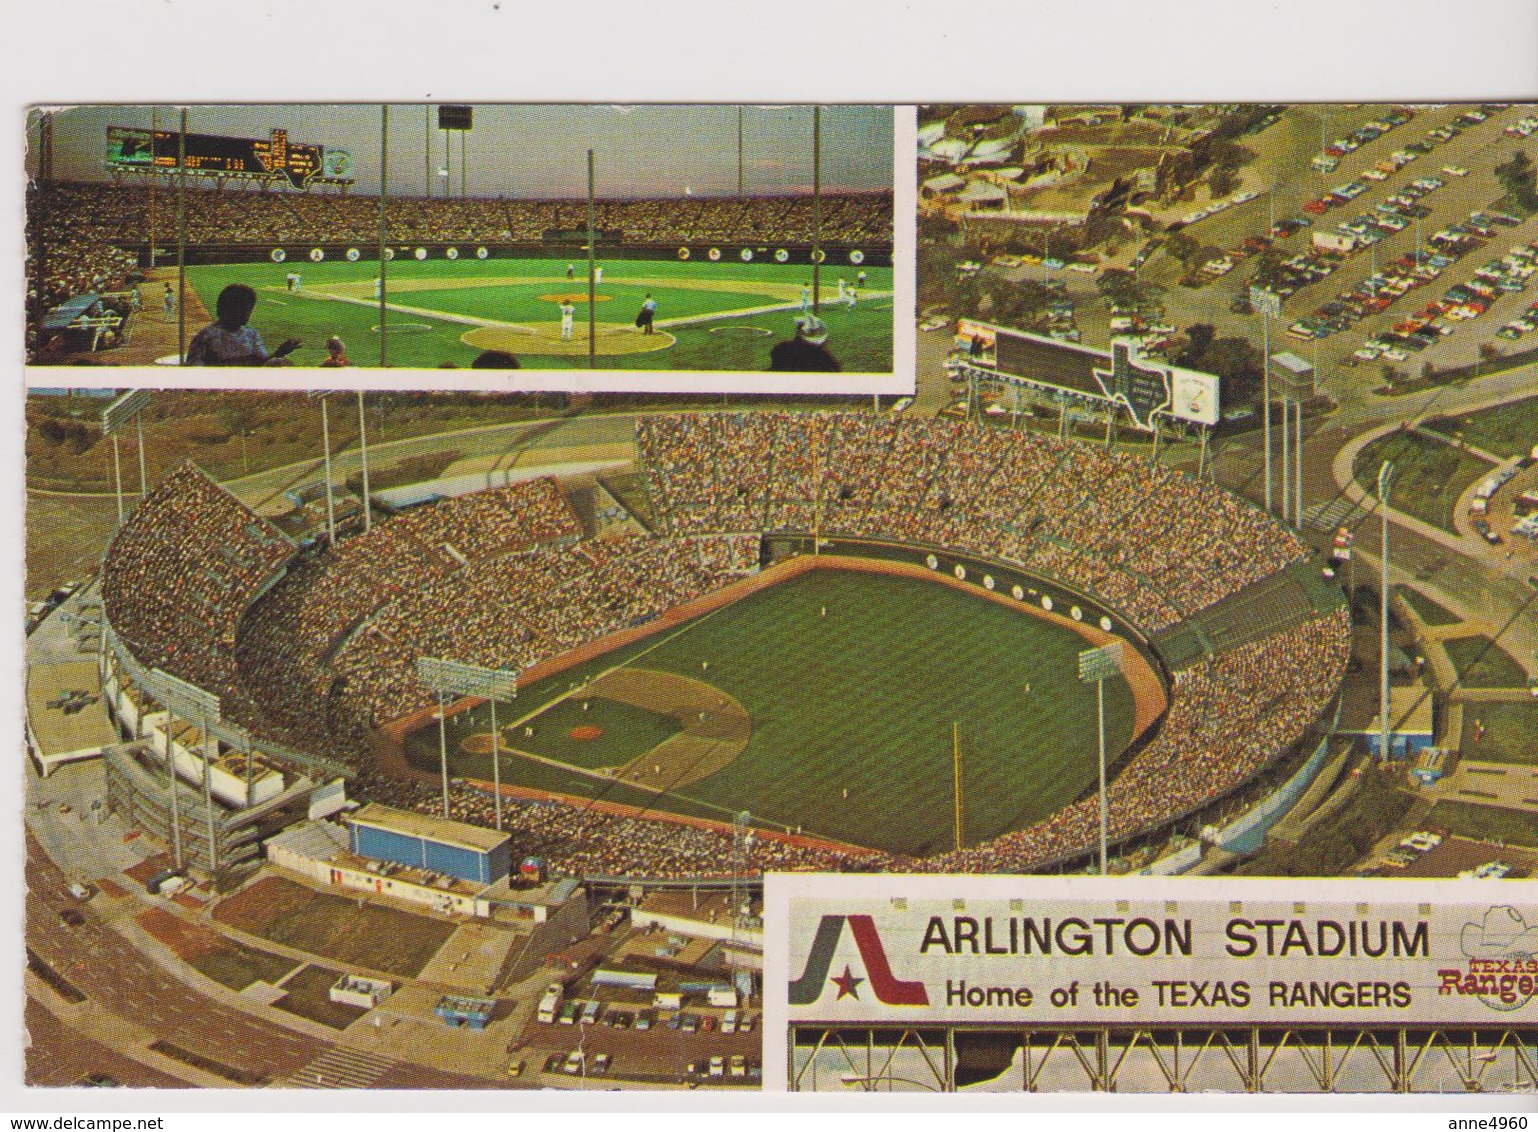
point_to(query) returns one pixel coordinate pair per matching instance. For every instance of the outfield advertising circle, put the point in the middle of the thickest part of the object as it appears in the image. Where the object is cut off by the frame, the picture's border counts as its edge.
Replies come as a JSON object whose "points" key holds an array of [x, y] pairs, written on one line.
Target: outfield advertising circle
{"points": [[420, 253], [683, 253], [389, 254], [1105, 623], [1017, 592], [932, 562], [482, 252], [714, 254], [988, 582], [747, 255], [818, 255], [1046, 602], [1076, 613], [277, 255], [781, 255], [961, 572], [857, 256], [452, 253], [353, 254], [317, 254]]}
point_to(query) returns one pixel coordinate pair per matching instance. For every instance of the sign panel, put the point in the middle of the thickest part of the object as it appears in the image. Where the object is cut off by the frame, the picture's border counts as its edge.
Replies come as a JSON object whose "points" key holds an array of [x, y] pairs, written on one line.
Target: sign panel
{"points": [[882, 950], [1194, 396]]}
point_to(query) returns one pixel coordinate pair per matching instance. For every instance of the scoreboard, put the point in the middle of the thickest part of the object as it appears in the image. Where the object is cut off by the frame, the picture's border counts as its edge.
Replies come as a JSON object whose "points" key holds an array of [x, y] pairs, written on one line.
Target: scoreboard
{"points": [[216, 155]]}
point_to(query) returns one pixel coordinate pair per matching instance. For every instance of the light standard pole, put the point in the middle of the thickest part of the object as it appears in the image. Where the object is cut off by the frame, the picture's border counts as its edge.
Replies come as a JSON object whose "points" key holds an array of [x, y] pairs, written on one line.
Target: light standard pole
{"points": [[1096, 666], [363, 453], [1385, 482]]}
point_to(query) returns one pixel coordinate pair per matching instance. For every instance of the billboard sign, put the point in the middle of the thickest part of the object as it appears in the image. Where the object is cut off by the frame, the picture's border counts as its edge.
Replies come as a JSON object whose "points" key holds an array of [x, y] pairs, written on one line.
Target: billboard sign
{"points": [[880, 950], [1194, 396]]}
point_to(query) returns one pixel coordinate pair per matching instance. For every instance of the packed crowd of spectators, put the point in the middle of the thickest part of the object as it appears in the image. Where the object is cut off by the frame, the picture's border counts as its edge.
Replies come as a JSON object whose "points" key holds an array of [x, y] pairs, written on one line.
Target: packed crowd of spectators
{"points": [[182, 570], [1135, 534], [87, 222], [502, 578], [587, 841]]}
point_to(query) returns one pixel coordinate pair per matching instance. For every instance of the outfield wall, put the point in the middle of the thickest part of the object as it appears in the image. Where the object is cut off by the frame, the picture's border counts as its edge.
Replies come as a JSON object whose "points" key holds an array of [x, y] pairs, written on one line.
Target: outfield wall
{"points": [[297, 254]]}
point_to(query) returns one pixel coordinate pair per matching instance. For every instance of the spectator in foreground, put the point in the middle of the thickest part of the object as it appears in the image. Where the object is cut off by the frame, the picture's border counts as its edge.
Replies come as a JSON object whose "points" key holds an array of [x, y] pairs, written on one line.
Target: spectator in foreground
{"points": [[495, 359], [228, 341], [336, 354], [807, 352]]}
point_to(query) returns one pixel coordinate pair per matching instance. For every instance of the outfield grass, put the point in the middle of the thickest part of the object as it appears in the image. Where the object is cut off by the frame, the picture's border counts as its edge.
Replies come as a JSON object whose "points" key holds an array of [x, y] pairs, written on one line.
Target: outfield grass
{"points": [[861, 339], [1429, 475], [863, 700], [1506, 430], [1511, 732]]}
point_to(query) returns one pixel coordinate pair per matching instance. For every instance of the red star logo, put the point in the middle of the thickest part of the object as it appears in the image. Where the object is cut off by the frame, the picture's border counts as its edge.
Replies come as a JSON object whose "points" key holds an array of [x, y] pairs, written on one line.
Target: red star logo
{"points": [[847, 983]]}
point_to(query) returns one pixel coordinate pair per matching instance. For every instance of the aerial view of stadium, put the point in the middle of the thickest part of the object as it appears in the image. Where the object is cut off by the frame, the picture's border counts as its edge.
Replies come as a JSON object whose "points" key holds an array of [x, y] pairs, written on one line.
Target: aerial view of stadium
{"points": [[444, 739], [608, 237]]}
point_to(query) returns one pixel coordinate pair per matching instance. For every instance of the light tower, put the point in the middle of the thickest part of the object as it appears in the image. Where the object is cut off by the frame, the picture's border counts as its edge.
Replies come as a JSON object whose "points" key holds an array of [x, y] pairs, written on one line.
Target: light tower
{"points": [[1385, 482]]}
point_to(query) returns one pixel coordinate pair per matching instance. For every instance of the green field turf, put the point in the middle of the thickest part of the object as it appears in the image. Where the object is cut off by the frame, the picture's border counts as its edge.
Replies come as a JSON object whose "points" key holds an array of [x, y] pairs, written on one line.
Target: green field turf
{"points": [[1511, 732], [864, 700], [861, 339]]}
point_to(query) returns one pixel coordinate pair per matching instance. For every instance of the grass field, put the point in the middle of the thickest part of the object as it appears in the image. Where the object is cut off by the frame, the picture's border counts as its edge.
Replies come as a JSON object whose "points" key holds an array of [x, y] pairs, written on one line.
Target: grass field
{"points": [[1506, 430], [1486, 823], [434, 303], [1430, 612], [626, 730], [1511, 732], [1483, 664], [1429, 475], [863, 700], [346, 931], [309, 996]]}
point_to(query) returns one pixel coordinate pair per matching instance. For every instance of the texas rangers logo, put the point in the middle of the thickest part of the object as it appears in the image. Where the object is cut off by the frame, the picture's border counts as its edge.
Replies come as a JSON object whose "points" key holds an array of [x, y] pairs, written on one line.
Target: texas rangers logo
{"points": [[1502, 955], [878, 971]]}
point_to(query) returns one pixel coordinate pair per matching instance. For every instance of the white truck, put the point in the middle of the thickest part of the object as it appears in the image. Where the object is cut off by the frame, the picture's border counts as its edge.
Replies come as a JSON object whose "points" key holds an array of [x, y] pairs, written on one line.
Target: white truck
{"points": [[550, 1002]]}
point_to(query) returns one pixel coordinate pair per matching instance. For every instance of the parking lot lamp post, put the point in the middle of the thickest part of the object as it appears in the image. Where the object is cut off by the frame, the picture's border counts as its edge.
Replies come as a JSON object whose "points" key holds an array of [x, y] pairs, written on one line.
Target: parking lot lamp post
{"points": [[1385, 482]]}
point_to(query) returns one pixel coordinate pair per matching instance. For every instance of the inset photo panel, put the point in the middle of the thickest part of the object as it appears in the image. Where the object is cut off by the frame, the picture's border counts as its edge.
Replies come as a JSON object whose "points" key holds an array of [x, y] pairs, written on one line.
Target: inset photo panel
{"points": [[587, 247]]}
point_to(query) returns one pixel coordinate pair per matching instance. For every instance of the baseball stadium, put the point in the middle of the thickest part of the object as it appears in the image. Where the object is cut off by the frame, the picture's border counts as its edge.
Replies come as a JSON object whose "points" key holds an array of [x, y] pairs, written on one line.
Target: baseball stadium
{"points": [[803, 640], [683, 238]]}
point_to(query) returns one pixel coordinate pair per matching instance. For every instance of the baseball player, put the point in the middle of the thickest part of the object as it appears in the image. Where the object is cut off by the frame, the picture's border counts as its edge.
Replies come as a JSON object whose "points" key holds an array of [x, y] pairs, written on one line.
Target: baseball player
{"points": [[568, 313]]}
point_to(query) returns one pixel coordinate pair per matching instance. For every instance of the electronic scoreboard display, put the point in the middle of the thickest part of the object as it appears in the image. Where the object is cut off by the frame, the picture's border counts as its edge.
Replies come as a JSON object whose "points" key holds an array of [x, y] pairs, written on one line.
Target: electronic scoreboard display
{"points": [[212, 154]]}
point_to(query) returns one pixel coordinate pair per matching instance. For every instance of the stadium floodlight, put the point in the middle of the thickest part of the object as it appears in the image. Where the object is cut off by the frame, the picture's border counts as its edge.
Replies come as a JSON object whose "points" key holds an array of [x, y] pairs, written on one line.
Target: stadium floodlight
{"points": [[114, 417], [1385, 484], [1096, 666], [190, 702], [451, 677], [123, 409]]}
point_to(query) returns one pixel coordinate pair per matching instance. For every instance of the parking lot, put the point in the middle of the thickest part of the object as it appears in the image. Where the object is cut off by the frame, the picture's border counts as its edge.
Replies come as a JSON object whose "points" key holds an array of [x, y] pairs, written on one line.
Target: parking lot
{"points": [[1441, 204]]}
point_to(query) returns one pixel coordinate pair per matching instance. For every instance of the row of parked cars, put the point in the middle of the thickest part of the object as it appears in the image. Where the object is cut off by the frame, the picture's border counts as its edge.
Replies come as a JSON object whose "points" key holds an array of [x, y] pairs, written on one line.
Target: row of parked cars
{"points": [[1329, 160], [1416, 269]]}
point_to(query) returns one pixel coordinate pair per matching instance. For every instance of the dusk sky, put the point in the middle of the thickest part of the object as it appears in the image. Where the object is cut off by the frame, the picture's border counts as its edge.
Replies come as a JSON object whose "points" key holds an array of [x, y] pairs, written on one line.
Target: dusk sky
{"points": [[538, 150]]}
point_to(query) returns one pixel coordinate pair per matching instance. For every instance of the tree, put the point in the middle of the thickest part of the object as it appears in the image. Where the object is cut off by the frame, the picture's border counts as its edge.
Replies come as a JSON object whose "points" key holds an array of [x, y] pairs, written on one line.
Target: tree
{"points": [[1200, 336], [1185, 248], [1517, 177]]}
